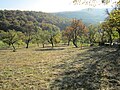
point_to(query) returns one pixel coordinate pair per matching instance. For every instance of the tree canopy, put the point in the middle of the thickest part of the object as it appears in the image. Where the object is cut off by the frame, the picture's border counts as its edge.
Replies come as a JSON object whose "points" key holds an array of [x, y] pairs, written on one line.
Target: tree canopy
{"points": [[15, 19], [93, 2]]}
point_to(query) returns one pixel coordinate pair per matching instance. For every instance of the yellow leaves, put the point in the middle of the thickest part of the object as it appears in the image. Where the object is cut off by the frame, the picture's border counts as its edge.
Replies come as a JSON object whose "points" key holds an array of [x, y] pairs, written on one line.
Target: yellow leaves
{"points": [[114, 19], [57, 38]]}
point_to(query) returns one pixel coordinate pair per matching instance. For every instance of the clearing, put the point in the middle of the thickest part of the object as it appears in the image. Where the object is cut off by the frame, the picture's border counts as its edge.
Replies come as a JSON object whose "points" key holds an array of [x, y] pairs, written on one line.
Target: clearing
{"points": [[61, 68]]}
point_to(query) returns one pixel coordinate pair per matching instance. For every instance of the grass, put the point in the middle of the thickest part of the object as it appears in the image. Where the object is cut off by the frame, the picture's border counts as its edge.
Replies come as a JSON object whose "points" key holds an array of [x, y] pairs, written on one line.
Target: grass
{"points": [[61, 68], [31, 68]]}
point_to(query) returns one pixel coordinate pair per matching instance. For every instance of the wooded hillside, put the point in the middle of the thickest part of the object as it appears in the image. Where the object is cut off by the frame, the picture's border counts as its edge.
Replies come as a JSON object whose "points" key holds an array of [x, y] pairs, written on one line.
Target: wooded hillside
{"points": [[15, 19]]}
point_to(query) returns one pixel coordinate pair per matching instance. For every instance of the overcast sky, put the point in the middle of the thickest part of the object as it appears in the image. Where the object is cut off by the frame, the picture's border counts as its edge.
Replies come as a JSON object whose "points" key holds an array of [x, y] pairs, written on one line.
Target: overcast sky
{"points": [[41, 5]]}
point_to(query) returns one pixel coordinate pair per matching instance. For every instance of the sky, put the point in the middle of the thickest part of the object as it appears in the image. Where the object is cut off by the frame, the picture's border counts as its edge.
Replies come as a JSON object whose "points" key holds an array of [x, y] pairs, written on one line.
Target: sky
{"points": [[43, 5]]}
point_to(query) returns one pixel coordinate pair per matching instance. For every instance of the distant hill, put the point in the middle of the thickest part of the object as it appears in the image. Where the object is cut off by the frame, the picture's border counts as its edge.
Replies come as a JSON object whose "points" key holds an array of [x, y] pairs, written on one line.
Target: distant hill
{"points": [[16, 19], [88, 16]]}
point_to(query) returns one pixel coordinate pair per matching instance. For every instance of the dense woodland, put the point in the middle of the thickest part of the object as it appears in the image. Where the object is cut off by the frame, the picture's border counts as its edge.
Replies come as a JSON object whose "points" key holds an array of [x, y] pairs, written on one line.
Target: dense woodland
{"points": [[15, 19]]}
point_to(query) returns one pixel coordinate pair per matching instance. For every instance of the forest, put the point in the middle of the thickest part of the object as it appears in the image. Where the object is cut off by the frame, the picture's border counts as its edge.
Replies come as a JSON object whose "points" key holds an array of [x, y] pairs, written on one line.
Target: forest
{"points": [[42, 51]]}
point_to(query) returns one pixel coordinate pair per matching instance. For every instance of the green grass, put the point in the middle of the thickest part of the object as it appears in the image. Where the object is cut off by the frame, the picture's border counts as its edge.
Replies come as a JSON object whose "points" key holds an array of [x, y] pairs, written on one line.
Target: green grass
{"points": [[61, 68]]}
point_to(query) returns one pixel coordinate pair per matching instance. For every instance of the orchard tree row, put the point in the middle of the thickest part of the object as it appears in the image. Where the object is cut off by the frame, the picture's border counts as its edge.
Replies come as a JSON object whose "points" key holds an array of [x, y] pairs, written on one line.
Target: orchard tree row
{"points": [[47, 33]]}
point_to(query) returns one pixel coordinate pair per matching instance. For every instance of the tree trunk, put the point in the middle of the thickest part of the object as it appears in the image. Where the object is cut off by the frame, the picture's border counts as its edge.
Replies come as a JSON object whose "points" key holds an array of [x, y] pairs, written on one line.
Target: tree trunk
{"points": [[68, 42], [51, 41], [110, 39], [102, 43], [52, 44], [38, 44], [27, 43], [43, 45], [91, 43], [75, 42], [119, 38], [9, 44], [14, 49]]}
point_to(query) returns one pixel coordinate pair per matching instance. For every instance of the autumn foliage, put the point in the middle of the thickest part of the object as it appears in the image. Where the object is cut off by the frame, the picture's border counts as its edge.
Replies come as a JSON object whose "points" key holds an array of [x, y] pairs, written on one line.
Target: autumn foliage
{"points": [[76, 30]]}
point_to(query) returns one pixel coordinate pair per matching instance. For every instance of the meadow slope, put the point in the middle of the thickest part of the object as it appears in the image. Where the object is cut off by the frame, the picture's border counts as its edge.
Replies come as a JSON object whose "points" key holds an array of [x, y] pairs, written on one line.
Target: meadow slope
{"points": [[61, 68]]}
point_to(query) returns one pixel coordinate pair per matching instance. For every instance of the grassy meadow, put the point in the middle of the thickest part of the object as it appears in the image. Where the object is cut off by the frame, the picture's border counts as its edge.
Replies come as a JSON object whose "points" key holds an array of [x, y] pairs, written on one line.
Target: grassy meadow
{"points": [[60, 68]]}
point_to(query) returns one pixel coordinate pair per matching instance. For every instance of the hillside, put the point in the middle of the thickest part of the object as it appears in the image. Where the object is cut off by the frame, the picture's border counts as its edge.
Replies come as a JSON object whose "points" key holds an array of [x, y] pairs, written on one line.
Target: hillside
{"points": [[89, 16], [15, 19]]}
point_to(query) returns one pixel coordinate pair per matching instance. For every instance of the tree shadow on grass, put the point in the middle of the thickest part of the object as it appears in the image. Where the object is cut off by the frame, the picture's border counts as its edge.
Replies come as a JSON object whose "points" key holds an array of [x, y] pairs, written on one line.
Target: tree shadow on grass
{"points": [[49, 49], [5, 48], [95, 69]]}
